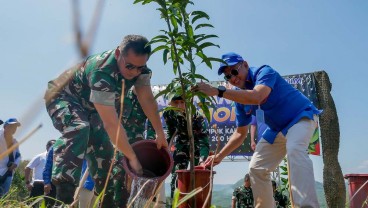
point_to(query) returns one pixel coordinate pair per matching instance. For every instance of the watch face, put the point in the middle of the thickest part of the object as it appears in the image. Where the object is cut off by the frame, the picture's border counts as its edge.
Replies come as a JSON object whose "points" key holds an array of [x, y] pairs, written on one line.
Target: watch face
{"points": [[221, 88]]}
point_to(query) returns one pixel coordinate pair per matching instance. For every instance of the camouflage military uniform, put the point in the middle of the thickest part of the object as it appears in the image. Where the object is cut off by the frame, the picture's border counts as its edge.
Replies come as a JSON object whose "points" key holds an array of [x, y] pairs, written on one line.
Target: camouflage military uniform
{"points": [[176, 121], [133, 121], [72, 112], [244, 197], [280, 199]]}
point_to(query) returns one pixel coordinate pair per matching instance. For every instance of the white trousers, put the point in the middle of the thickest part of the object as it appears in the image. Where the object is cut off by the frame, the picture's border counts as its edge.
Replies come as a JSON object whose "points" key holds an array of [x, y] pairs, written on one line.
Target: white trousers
{"points": [[268, 156], [87, 198]]}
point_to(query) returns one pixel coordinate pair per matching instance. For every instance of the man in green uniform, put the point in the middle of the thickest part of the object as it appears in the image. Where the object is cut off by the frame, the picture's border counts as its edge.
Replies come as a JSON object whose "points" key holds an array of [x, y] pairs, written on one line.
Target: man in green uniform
{"points": [[280, 199], [83, 100], [175, 121], [243, 195]]}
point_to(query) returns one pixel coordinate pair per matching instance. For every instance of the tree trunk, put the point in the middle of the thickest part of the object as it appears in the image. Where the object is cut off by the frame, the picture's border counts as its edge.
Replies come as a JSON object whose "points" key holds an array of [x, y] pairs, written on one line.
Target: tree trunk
{"points": [[333, 181]]}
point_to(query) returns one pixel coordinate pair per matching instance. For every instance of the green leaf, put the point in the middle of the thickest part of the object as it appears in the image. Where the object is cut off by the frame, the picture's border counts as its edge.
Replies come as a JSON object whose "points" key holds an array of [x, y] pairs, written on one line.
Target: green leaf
{"points": [[174, 23], [199, 76], [203, 25], [208, 62], [157, 41], [204, 37], [161, 47], [198, 15], [164, 55], [190, 195], [283, 168], [207, 44], [176, 198], [160, 37]]}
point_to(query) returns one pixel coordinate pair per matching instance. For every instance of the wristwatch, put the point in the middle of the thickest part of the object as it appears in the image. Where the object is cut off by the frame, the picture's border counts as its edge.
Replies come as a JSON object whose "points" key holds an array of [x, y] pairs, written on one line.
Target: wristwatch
{"points": [[221, 89]]}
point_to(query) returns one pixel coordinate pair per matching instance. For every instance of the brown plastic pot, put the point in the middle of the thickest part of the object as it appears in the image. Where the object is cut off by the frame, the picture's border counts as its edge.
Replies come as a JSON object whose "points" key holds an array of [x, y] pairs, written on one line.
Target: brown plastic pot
{"points": [[202, 179], [156, 163]]}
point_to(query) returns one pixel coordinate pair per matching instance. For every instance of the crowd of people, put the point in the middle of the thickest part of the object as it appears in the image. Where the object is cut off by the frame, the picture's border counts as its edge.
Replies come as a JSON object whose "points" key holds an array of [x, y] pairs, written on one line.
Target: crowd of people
{"points": [[84, 105]]}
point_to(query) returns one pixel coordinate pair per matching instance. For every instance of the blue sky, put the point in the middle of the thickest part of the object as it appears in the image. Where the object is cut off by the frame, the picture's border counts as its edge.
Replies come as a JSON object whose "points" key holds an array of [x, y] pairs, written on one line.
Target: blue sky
{"points": [[37, 43]]}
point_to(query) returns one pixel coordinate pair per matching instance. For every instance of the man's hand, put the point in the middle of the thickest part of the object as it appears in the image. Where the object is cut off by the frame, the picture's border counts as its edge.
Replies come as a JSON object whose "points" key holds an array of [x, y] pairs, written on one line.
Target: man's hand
{"points": [[253, 145], [136, 166], [12, 167], [29, 186], [47, 188], [161, 141], [205, 88], [215, 158]]}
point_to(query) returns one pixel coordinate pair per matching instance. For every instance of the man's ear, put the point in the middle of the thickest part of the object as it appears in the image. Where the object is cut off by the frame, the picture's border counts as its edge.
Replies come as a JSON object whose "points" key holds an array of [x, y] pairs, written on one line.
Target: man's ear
{"points": [[246, 64], [117, 53]]}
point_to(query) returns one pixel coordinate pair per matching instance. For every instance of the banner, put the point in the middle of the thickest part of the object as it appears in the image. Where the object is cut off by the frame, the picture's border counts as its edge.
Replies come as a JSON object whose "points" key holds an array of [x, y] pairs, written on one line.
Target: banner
{"points": [[222, 123]]}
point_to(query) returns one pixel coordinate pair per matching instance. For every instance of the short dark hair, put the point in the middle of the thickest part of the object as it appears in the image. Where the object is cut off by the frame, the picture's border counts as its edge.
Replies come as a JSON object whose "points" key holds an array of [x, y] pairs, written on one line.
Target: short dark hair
{"points": [[50, 143], [246, 177], [137, 43], [1, 122], [274, 183]]}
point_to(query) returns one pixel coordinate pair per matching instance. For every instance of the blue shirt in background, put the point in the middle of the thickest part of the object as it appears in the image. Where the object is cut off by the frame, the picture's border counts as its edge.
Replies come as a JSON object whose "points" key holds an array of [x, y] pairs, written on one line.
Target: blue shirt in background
{"points": [[89, 184], [47, 171]]}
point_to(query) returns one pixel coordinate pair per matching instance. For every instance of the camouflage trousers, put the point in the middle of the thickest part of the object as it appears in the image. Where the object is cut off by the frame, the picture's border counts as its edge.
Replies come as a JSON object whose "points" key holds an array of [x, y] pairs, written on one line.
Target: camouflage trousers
{"points": [[121, 192], [83, 136]]}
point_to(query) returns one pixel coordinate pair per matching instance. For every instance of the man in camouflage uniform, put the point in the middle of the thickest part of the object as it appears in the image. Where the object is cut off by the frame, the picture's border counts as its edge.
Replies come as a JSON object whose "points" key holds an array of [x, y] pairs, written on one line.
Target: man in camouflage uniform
{"points": [[243, 195], [280, 199], [83, 99], [176, 121]]}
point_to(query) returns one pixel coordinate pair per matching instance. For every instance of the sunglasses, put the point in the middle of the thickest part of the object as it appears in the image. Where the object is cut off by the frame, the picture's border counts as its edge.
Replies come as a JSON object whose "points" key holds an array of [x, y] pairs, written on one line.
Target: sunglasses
{"points": [[130, 66], [233, 72], [139, 68]]}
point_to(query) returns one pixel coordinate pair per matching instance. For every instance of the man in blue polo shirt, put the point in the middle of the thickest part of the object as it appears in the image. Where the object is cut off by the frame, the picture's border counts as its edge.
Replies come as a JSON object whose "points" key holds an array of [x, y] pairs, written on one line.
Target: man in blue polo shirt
{"points": [[291, 119]]}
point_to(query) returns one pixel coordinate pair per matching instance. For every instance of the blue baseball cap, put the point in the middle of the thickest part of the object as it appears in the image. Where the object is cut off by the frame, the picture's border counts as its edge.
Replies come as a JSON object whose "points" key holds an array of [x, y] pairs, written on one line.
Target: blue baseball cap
{"points": [[11, 121], [231, 59]]}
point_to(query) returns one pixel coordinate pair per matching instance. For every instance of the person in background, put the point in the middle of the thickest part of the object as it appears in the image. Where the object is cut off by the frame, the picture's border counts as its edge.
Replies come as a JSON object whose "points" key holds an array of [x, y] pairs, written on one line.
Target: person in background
{"points": [[243, 195], [280, 199], [290, 116], [35, 168], [87, 195], [49, 188], [11, 161], [256, 128], [176, 122], [82, 106]]}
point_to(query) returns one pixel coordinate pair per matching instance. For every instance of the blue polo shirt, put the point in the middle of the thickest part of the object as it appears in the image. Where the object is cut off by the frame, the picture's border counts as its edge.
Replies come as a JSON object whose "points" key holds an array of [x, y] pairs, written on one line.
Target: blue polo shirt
{"points": [[283, 108]]}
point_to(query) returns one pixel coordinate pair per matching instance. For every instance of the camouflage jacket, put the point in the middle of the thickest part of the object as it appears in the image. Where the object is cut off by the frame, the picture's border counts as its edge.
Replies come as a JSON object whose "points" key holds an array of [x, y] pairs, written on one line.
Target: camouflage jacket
{"points": [[176, 120], [244, 197], [96, 80], [133, 117]]}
